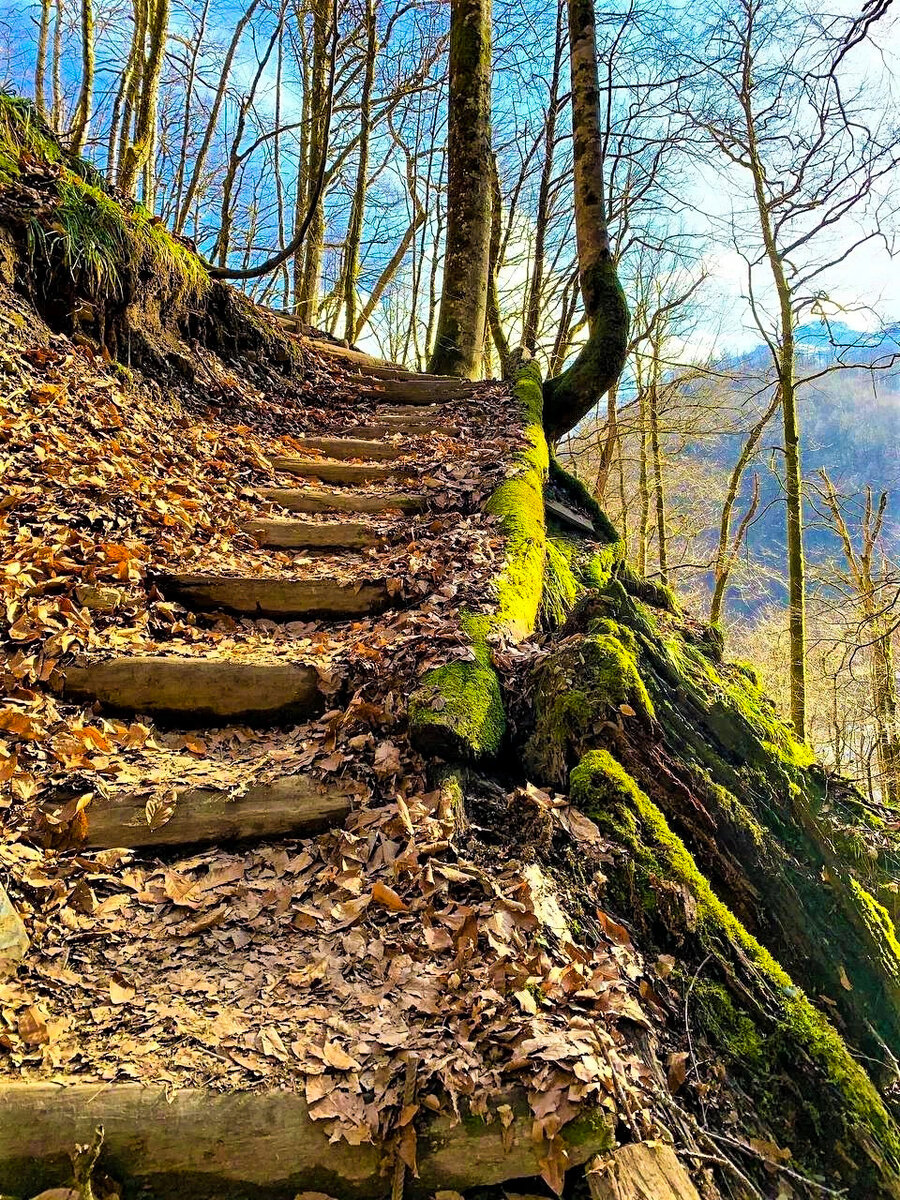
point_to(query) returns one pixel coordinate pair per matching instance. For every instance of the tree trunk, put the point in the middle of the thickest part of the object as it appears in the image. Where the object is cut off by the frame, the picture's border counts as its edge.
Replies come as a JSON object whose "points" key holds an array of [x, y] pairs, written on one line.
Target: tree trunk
{"points": [[572, 395], [188, 100], [138, 151], [235, 158], [884, 694], [643, 478], [358, 207], [786, 365], [212, 123], [460, 330], [306, 300], [40, 65], [725, 555], [542, 217], [656, 453], [608, 450], [56, 114], [494, 321], [79, 131]]}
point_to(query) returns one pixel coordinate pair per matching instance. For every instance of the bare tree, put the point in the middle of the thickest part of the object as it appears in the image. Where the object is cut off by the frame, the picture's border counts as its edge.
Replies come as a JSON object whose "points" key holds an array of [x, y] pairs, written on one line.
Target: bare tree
{"points": [[814, 152]]}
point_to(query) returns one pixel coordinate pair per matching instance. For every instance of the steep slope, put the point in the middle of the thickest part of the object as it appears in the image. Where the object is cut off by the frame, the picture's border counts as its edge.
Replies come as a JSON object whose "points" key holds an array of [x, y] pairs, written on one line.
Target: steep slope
{"points": [[336, 877]]}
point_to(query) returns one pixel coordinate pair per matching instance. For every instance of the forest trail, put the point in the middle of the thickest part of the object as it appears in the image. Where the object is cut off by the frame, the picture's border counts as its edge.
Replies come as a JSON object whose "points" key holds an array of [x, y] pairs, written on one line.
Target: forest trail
{"points": [[348, 475]]}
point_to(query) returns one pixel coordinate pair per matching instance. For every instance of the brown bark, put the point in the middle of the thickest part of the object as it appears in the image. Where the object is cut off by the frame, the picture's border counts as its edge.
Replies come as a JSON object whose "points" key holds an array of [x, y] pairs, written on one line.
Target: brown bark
{"points": [[572, 395], [542, 216], [460, 330], [80, 124], [138, 151], [358, 207]]}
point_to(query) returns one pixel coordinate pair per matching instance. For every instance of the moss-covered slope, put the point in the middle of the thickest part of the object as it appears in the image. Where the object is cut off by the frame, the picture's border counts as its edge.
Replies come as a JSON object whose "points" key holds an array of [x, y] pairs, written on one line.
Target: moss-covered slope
{"points": [[101, 266], [735, 853]]}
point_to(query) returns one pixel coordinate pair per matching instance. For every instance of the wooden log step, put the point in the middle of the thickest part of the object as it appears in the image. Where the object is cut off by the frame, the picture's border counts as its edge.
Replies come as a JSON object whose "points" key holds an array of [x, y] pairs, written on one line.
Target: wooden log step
{"points": [[178, 1143], [419, 414], [346, 447], [197, 691], [284, 534], [275, 596], [313, 500], [419, 422], [340, 473], [568, 516], [298, 805], [417, 391]]}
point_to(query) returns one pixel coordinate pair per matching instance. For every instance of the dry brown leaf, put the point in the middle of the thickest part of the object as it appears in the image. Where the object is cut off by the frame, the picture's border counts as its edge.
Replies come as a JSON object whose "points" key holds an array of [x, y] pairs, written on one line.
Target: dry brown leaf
{"points": [[387, 897], [32, 1026], [120, 992], [338, 1058]]}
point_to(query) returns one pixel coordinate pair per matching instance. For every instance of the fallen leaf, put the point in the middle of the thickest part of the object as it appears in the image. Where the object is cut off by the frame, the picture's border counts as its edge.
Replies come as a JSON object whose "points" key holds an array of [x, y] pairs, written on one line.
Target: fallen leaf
{"points": [[386, 896], [338, 1058], [32, 1026], [120, 992], [677, 1070]]}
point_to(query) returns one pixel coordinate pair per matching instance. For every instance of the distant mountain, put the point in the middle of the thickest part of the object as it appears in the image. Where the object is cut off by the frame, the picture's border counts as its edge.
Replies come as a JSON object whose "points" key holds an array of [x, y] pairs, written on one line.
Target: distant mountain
{"points": [[850, 427]]}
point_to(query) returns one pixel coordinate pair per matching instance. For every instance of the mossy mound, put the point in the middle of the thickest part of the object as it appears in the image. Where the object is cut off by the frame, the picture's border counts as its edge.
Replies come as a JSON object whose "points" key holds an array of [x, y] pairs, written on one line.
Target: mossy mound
{"points": [[589, 681], [796, 1070], [102, 267], [733, 852]]}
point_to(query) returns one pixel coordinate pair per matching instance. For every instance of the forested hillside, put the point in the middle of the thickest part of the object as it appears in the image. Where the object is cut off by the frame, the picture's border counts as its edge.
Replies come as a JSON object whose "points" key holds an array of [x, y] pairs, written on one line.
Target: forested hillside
{"points": [[449, 739]]}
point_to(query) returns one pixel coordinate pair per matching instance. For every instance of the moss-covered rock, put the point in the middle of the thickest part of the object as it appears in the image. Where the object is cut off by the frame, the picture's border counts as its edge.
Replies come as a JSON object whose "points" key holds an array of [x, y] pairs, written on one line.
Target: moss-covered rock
{"points": [[762, 1024], [457, 710], [590, 680]]}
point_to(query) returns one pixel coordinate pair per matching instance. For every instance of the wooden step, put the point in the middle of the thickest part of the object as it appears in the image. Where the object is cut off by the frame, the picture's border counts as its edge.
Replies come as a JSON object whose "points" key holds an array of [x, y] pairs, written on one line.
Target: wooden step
{"points": [[424, 422], [417, 391], [403, 414], [284, 534], [275, 596], [346, 447], [299, 805], [176, 1142], [198, 691], [567, 516], [314, 500], [340, 473]]}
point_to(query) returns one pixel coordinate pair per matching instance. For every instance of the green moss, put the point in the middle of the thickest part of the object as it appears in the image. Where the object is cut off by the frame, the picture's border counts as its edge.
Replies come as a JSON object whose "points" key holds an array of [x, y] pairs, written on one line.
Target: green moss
{"points": [[729, 1027], [880, 928], [749, 672], [656, 594], [601, 786], [583, 498], [561, 586], [458, 709], [604, 625], [110, 248], [592, 1126], [580, 686], [23, 129], [457, 712], [598, 569]]}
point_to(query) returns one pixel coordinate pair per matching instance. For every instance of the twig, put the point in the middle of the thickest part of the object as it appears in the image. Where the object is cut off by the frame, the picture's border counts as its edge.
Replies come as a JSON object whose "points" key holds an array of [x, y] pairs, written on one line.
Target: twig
{"points": [[780, 1167], [409, 1090], [687, 1026]]}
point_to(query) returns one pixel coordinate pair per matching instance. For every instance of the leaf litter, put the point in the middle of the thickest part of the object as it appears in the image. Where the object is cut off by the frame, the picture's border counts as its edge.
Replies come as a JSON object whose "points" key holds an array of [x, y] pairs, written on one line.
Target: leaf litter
{"points": [[317, 964]]}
